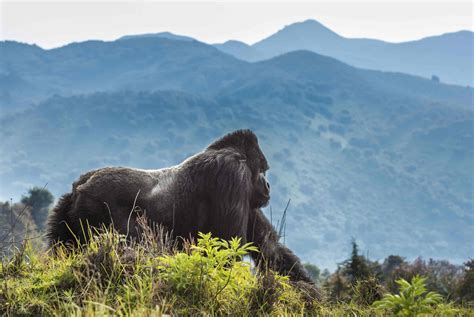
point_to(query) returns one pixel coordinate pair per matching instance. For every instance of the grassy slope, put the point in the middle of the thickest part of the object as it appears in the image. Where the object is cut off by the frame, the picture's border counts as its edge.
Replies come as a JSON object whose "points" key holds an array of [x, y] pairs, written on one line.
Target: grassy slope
{"points": [[151, 278]]}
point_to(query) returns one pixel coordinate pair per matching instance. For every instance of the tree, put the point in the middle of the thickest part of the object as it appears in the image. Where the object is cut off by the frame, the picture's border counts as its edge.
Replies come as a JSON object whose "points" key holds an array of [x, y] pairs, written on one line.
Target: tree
{"points": [[39, 200], [435, 79], [391, 263], [441, 276], [466, 287], [356, 267], [313, 271], [338, 287]]}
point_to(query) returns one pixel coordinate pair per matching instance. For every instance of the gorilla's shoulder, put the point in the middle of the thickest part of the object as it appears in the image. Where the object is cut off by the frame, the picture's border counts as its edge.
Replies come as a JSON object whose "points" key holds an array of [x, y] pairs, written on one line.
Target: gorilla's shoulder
{"points": [[107, 176]]}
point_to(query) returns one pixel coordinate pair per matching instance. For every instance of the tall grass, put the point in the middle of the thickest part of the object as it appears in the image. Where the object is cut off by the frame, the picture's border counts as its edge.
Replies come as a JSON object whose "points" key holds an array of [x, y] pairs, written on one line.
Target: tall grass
{"points": [[111, 276]]}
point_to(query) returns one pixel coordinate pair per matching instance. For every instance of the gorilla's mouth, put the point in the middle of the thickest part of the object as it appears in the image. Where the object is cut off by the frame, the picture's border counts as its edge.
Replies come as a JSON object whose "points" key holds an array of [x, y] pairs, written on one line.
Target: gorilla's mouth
{"points": [[265, 200]]}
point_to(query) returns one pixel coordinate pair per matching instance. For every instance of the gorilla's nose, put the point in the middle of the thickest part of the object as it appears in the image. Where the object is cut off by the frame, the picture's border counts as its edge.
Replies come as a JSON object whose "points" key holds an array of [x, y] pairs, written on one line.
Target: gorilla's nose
{"points": [[267, 186]]}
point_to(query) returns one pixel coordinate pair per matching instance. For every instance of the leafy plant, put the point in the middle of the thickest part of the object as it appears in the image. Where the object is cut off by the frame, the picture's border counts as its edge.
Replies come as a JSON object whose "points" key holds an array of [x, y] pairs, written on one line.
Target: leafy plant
{"points": [[212, 270], [412, 299]]}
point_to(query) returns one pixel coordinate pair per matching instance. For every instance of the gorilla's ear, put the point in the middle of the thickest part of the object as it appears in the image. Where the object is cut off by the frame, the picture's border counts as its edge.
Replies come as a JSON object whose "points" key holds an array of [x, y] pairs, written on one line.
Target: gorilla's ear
{"points": [[239, 139]]}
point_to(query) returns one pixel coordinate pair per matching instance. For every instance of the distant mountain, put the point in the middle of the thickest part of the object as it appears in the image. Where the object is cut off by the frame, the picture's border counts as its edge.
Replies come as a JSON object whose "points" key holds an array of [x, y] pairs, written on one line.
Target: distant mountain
{"points": [[383, 157], [147, 63], [240, 50], [449, 56], [163, 35]]}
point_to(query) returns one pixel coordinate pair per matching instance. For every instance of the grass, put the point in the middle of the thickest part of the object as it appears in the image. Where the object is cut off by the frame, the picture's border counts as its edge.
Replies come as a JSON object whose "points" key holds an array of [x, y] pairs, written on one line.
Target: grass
{"points": [[152, 277]]}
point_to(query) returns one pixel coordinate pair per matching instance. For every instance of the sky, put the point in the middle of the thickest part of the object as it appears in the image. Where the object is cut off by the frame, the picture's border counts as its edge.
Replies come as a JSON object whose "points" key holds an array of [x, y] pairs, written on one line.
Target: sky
{"points": [[53, 24]]}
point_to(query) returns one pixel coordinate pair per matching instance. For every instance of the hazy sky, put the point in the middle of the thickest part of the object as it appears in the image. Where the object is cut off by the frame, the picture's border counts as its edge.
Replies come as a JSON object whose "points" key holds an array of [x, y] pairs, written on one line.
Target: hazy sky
{"points": [[52, 24]]}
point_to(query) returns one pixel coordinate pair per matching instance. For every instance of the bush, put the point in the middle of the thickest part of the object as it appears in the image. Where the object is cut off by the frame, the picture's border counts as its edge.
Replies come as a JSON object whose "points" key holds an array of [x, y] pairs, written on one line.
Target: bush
{"points": [[412, 299], [367, 291]]}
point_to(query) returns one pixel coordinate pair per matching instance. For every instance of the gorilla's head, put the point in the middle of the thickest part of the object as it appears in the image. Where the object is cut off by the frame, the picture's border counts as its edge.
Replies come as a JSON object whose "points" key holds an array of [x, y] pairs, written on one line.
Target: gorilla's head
{"points": [[245, 142], [261, 194]]}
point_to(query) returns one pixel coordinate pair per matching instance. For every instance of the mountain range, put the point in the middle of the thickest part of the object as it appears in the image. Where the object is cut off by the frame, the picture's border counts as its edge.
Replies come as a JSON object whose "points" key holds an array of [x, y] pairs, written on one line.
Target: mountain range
{"points": [[384, 157], [449, 56]]}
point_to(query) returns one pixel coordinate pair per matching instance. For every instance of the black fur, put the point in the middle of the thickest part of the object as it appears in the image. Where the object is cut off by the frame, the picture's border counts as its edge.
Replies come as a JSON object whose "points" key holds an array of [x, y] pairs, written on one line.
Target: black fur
{"points": [[219, 190], [272, 253]]}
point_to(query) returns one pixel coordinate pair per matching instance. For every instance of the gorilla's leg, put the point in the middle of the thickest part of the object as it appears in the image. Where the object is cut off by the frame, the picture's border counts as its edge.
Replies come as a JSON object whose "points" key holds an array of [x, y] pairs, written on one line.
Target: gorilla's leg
{"points": [[272, 253]]}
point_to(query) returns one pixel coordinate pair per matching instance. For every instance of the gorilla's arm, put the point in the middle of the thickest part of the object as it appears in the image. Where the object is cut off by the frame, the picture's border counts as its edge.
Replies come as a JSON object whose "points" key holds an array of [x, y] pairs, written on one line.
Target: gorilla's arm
{"points": [[272, 253]]}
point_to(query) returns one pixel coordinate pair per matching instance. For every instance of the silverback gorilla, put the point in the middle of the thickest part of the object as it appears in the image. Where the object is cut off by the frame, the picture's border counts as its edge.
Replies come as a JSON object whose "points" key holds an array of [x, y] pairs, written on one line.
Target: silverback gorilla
{"points": [[219, 190]]}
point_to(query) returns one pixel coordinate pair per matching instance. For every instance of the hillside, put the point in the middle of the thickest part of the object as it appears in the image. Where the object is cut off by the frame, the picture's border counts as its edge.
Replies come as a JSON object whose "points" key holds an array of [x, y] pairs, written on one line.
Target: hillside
{"points": [[151, 277], [360, 153], [141, 63], [449, 56]]}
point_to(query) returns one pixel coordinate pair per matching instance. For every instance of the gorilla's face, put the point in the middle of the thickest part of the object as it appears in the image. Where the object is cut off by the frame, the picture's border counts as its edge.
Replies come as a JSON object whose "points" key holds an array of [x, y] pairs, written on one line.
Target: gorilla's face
{"points": [[258, 164], [245, 143], [261, 193]]}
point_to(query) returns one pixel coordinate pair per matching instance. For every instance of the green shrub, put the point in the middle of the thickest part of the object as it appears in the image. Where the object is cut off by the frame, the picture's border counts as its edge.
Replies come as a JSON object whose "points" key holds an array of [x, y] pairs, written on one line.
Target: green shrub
{"points": [[367, 291], [412, 299], [211, 277]]}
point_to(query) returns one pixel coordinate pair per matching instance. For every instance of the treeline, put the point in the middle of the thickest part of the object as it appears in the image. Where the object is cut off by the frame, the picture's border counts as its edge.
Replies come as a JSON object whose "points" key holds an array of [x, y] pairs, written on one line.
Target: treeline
{"points": [[24, 220], [365, 281]]}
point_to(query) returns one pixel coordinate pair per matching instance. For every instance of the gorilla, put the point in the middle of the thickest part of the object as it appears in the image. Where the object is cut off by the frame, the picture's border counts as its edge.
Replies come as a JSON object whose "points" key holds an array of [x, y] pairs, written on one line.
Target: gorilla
{"points": [[219, 190]]}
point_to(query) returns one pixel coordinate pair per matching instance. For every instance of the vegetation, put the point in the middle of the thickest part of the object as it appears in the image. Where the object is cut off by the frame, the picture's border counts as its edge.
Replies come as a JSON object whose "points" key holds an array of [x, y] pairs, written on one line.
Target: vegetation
{"points": [[16, 224], [113, 276], [466, 286], [151, 277], [24, 220], [412, 300], [39, 200], [359, 278]]}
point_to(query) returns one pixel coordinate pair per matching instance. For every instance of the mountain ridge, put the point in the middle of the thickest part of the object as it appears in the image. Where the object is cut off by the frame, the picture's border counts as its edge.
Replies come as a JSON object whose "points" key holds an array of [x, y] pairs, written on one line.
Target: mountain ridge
{"points": [[428, 56], [74, 63], [448, 56]]}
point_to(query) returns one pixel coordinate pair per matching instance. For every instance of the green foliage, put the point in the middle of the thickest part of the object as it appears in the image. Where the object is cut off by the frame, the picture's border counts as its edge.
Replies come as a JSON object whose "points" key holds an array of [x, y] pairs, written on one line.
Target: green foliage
{"points": [[150, 277], [338, 287], [412, 300], [39, 199], [212, 276], [367, 291], [16, 225], [360, 280], [111, 276], [466, 288], [356, 267], [313, 270]]}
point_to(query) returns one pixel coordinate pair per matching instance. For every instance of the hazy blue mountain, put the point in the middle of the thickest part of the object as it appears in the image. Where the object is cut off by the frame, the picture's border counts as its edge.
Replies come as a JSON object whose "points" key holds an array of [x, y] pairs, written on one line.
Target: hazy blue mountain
{"points": [[383, 157], [164, 35], [240, 50], [449, 56], [139, 64]]}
